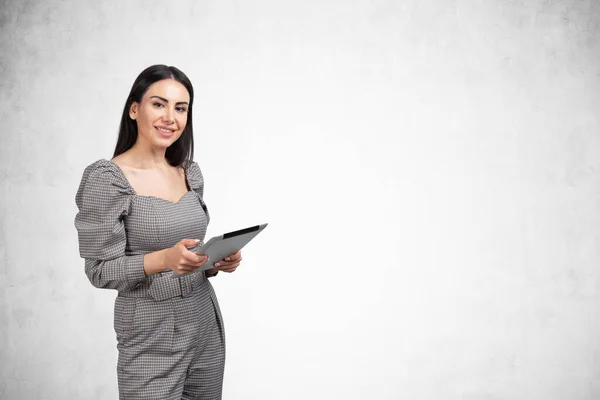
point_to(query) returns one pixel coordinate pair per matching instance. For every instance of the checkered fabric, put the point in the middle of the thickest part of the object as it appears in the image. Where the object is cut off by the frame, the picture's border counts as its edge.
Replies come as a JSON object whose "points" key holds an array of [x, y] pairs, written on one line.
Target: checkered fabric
{"points": [[170, 332]]}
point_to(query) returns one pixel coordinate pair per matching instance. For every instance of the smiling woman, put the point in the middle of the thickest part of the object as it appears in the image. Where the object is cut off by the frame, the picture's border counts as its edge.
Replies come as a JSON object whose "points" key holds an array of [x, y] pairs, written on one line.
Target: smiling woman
{"points": [[159, 99], [138, 215]]}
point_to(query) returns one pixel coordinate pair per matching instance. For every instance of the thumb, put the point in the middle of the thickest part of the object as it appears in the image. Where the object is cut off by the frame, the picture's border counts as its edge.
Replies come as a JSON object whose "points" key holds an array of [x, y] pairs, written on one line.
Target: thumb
{"points": [[190, 242]]}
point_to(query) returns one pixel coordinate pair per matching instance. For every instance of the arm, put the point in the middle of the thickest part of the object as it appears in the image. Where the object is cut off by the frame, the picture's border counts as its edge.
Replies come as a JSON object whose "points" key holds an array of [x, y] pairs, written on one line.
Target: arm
{"points": [[103, 200], [124, 272]]}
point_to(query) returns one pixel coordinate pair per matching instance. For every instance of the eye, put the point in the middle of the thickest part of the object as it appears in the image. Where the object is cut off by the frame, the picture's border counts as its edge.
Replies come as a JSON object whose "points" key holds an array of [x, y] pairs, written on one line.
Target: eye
{"points": [[181, 109], [158, 104]]}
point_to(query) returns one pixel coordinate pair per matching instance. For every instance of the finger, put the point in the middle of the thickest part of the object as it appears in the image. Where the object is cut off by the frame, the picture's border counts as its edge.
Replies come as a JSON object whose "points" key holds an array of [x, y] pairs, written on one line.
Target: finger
{"points": [[229, 269], [190, 266], [234, 257], [191, 255], [190, 242], [224, 266], [225, 261], [194, 258]]}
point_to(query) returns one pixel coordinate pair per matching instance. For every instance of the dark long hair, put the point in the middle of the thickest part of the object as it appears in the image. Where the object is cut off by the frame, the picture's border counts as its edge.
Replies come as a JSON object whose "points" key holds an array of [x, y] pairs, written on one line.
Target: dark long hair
{"points": [[183, 148]]}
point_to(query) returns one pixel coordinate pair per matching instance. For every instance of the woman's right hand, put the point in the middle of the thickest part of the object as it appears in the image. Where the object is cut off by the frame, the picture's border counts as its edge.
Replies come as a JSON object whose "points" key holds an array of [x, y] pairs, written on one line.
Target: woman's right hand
{"points": [[180, 260]]}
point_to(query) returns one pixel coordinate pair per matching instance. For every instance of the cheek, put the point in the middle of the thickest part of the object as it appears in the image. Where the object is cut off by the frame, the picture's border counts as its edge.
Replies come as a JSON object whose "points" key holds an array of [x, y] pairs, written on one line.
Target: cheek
{"points": [[147, 118], [182, 121]]}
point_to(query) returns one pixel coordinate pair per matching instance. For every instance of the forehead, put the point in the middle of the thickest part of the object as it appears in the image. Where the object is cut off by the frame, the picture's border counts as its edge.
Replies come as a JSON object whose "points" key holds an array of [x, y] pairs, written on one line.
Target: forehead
{"points": [[170, 89]]}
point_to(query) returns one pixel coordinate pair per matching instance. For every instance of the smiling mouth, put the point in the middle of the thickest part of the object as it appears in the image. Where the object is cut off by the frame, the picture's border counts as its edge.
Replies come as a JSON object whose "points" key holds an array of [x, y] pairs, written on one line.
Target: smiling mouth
{"points": [[165, 132]]}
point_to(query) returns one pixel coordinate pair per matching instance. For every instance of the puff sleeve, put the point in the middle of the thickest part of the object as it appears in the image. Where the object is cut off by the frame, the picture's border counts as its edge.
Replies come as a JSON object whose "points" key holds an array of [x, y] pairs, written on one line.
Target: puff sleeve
{"points": [[103, 199], [196, 181]]}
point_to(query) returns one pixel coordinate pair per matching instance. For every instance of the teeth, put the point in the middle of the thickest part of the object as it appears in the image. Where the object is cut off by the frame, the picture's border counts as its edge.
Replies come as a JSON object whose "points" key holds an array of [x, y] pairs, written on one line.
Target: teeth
{"points": [[165, 130]]}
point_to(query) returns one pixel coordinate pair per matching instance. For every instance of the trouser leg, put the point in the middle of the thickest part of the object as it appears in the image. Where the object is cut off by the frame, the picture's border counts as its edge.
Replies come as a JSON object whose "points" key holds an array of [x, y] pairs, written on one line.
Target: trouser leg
{"points": [[204, 380], [149, 367], [152, 378]]}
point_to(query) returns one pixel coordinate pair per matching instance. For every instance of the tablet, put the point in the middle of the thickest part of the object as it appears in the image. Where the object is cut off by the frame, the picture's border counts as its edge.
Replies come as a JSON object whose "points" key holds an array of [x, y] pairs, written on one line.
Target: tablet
{"points": [[219, 247]]}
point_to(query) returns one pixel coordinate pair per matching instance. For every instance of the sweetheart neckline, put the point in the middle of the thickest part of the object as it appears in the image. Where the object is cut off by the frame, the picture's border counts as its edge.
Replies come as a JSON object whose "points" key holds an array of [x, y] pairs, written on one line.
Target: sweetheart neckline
{"points": [[163, 199], [149, 196]]}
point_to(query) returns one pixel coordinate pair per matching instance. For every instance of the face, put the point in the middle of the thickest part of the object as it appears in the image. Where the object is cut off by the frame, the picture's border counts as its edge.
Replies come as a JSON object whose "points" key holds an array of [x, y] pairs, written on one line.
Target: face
{"points": [[162, 113]]}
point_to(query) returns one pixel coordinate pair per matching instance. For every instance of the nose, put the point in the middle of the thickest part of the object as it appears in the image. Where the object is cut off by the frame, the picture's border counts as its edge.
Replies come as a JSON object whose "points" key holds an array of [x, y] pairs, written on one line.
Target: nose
{"points": [[168, 115]]}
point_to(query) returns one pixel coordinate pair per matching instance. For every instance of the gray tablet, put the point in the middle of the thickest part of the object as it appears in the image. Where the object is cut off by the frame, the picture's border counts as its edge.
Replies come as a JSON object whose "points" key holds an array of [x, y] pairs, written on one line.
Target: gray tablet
{"points": [[219, 247]]}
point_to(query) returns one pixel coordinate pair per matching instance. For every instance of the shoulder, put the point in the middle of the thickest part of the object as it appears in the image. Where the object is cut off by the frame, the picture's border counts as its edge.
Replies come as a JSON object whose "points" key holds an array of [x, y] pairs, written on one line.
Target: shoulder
{"points": [[104, 172], [102, 178], [193, 173]]}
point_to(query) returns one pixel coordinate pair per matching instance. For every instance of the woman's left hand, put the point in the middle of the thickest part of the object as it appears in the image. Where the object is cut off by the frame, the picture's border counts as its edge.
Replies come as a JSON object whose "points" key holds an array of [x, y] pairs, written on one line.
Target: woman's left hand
{"points": [[229, 263]]}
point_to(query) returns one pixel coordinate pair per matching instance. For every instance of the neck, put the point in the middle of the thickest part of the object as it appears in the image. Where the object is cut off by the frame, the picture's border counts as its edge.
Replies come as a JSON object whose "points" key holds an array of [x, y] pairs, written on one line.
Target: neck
{"points": [[147, 157]]}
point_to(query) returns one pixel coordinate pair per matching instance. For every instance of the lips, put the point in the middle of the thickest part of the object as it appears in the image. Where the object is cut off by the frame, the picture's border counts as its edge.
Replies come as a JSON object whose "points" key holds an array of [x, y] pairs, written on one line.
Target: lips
{"points": [[165, 132]]}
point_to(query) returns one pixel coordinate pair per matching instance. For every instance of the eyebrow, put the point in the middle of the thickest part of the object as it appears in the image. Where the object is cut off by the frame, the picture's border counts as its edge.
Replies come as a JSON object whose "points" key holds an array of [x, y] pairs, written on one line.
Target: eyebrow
{"points": [[167, 101]]}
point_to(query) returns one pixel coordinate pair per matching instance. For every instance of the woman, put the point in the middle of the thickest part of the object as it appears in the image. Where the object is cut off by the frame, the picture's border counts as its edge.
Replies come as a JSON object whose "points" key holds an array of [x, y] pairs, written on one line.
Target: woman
{"points": [[139, 214]]}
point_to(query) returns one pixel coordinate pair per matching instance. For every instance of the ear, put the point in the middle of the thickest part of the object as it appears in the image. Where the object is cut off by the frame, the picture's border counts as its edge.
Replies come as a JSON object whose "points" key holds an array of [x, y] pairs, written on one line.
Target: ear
{"points": [[133, 110]]}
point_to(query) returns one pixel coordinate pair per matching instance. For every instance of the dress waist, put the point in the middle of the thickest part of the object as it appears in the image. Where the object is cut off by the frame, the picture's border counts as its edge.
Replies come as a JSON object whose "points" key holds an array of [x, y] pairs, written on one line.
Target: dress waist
{"points": [[162, 286]]}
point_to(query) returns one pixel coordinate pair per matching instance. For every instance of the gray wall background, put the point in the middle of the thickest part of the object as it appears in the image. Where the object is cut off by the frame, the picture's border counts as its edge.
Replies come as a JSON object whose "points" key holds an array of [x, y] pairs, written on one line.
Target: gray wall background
{"points": [[429, 170]]}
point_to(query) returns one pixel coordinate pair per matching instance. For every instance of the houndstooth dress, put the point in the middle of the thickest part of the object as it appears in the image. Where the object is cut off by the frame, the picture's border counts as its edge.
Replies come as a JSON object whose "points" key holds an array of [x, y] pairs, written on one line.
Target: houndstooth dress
{"points": [[170, 332]]}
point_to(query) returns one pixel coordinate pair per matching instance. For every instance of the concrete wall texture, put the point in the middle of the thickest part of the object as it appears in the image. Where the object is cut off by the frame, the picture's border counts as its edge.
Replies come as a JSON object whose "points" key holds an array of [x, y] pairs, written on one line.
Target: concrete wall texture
{"points": [[429, 170]]}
